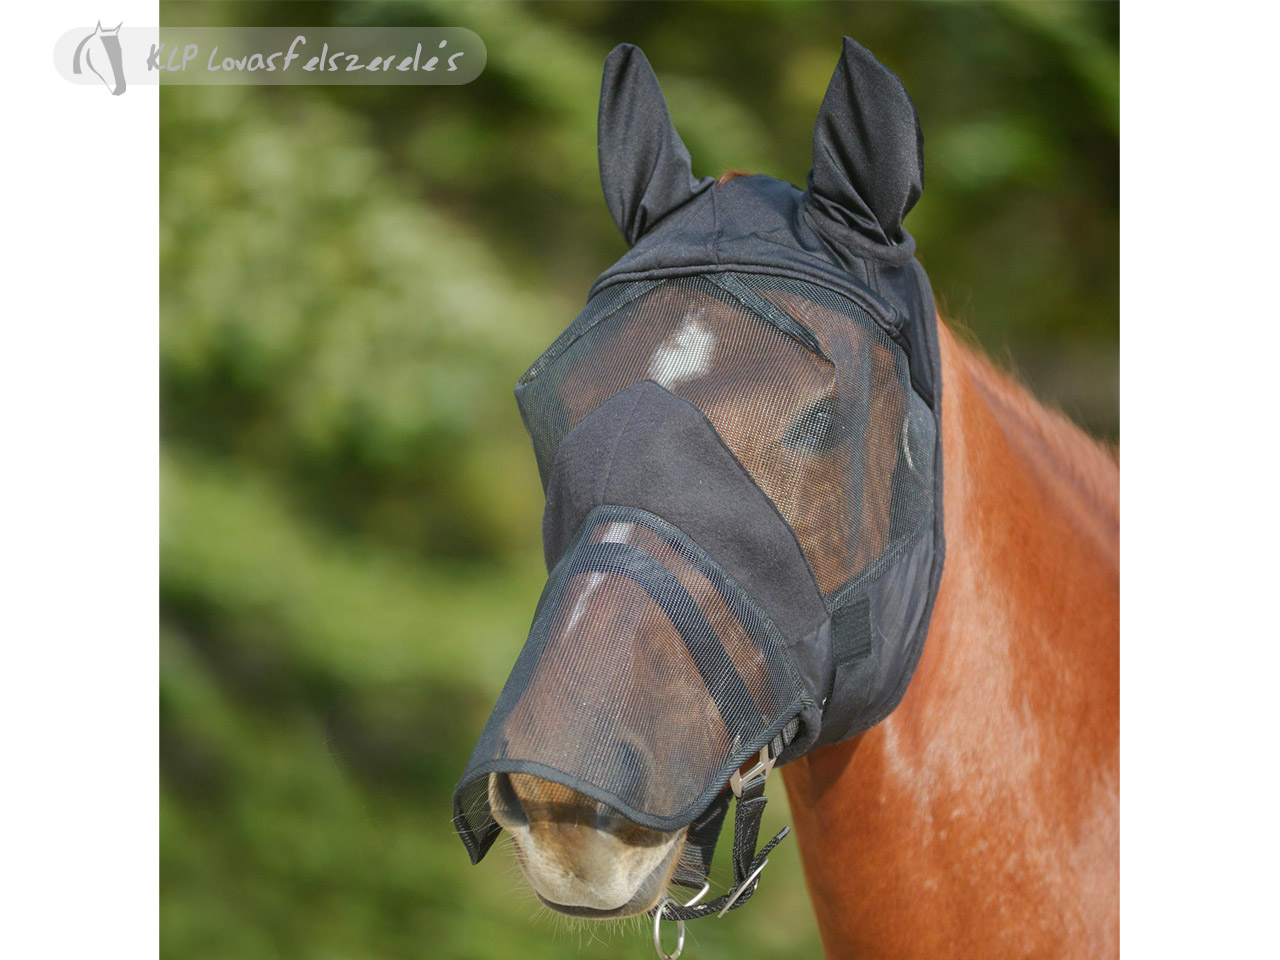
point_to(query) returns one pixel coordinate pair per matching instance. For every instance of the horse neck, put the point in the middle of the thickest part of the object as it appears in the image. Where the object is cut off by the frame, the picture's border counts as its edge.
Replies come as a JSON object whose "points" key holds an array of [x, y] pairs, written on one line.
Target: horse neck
{"points": [[982, 812]]}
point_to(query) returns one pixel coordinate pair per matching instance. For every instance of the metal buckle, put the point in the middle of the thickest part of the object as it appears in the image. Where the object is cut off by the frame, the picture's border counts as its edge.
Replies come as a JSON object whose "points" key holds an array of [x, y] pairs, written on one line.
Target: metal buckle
{"points": [[738, 780], [742, 887]]}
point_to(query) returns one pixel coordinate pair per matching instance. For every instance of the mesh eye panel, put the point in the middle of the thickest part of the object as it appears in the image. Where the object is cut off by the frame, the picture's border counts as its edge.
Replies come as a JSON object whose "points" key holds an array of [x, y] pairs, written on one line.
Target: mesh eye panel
{"points": [[810, 394], [648, 678]]}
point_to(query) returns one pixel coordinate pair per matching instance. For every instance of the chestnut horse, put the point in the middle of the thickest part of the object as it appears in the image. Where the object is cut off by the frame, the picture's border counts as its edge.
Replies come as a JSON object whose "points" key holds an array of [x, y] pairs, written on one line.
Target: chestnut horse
{"points": [[981, 818]]}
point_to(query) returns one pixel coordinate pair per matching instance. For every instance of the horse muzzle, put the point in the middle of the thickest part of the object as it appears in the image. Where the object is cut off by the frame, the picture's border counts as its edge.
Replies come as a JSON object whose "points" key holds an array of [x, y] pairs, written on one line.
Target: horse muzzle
{"points": [[649, 677]]}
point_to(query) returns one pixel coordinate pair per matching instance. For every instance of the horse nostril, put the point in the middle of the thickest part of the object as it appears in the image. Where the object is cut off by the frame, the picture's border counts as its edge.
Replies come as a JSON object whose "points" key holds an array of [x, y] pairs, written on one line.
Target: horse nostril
{"points": [[630, 781], [505, 796]]}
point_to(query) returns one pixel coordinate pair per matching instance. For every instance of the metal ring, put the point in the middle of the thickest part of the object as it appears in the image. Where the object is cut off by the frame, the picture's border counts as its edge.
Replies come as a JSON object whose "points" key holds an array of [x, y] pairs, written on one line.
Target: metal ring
{"points": [[657, 932], [706, 887]]}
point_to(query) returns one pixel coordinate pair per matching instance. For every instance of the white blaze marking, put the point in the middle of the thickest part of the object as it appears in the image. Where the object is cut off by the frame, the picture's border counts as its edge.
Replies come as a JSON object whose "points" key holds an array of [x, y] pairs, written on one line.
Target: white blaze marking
{"points": [[583, 601], [616, 533], [686, 354]]}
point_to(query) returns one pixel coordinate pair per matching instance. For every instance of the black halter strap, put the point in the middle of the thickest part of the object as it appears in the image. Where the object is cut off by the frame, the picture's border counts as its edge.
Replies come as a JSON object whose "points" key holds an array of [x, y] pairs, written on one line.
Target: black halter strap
{"points": [[748, 863]]}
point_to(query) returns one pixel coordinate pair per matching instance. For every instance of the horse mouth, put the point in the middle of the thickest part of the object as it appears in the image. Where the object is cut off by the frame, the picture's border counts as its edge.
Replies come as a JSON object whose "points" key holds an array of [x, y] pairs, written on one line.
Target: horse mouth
{"points": [[643, 900]]}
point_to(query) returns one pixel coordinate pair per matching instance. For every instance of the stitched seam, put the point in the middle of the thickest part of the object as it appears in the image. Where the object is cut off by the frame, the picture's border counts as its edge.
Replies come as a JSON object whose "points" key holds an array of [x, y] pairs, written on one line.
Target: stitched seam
{"points": [[715, 224], [888, 317]]}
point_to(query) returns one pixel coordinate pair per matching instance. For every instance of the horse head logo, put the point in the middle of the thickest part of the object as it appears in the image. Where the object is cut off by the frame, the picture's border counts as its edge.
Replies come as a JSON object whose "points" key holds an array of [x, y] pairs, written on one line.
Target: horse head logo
{"points": [[100, 52]]}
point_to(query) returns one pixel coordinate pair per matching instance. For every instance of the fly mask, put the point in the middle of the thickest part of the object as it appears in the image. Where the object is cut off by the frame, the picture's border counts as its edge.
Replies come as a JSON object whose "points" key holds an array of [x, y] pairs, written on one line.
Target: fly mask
{"points": [[739, 442]]}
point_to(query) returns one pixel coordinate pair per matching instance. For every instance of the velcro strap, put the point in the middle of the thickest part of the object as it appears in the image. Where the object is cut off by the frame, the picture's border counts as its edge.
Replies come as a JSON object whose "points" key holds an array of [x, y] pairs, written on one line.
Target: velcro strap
{"points": [[851, 630]]}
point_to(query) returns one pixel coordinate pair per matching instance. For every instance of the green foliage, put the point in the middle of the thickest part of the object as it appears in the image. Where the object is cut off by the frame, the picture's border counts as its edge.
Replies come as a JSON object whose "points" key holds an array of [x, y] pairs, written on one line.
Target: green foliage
{"points": [[352, 280]]}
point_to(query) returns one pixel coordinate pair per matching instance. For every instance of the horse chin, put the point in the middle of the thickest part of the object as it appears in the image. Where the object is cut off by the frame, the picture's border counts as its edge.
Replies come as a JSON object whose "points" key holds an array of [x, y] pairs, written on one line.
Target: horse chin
{"points": [[644, 899], [584, 872], [581, 858]]}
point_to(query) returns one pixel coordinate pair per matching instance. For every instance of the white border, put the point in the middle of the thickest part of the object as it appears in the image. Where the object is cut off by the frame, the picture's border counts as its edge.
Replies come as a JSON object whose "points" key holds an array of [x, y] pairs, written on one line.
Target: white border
{"points": [[1199, 356], [78, 397], [1199, 361]]}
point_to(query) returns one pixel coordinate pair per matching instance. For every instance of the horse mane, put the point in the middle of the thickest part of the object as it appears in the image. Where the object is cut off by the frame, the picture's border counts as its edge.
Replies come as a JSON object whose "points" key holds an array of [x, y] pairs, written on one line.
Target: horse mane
{"points": [[1048, 435]]}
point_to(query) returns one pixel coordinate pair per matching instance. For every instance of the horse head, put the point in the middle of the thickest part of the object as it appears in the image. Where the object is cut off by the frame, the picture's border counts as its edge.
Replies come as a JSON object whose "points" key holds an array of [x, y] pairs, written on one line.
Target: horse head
{"points": [[734, 456], [100, 53]]}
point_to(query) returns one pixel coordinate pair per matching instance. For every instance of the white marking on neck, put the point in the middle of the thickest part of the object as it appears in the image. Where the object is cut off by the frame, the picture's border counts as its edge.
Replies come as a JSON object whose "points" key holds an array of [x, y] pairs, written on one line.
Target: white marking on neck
{"points": [[686, 354]]}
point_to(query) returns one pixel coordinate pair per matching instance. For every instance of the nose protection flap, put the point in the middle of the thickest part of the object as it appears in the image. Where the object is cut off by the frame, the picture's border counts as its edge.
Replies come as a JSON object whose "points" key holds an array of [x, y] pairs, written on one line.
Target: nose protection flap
{"points": [[646, 447], [649, 676], [651, 672]]}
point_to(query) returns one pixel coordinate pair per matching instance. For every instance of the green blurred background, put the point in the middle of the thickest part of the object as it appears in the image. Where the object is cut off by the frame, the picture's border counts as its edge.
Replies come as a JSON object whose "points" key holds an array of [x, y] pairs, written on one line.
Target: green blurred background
{"points": [[352, 280]]}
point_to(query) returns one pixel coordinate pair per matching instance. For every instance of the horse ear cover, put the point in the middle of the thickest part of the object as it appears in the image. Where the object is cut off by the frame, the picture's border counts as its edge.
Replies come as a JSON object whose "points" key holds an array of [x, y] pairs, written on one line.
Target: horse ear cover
{"points": [[868, 153], [645, 167]]}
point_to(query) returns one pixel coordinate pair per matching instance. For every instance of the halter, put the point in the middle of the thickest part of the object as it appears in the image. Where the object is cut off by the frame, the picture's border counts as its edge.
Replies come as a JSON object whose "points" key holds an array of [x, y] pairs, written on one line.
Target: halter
{"points": [[748, 864]]}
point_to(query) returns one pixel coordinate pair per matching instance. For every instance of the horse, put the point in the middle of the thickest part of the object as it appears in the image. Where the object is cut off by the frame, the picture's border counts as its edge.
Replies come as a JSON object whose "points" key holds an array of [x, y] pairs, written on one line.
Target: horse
{"points": [[100, 52], [979, 818]]}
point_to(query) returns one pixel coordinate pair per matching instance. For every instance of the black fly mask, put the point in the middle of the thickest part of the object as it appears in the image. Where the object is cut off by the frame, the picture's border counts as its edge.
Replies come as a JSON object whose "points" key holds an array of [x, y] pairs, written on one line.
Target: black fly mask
{"points": [[739, 442]]}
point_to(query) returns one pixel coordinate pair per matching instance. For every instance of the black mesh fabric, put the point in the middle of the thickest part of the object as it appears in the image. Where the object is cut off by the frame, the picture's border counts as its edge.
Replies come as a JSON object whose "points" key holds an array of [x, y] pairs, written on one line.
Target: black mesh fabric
{"points": [[650, 673], [649, 676], [809, 393]]}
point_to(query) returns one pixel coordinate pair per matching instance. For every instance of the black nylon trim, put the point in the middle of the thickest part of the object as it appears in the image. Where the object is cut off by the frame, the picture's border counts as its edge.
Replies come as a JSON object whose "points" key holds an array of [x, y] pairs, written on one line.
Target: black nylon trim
{"points": [[667, 824], [883, 313], [477, 843], [730, 283]]}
